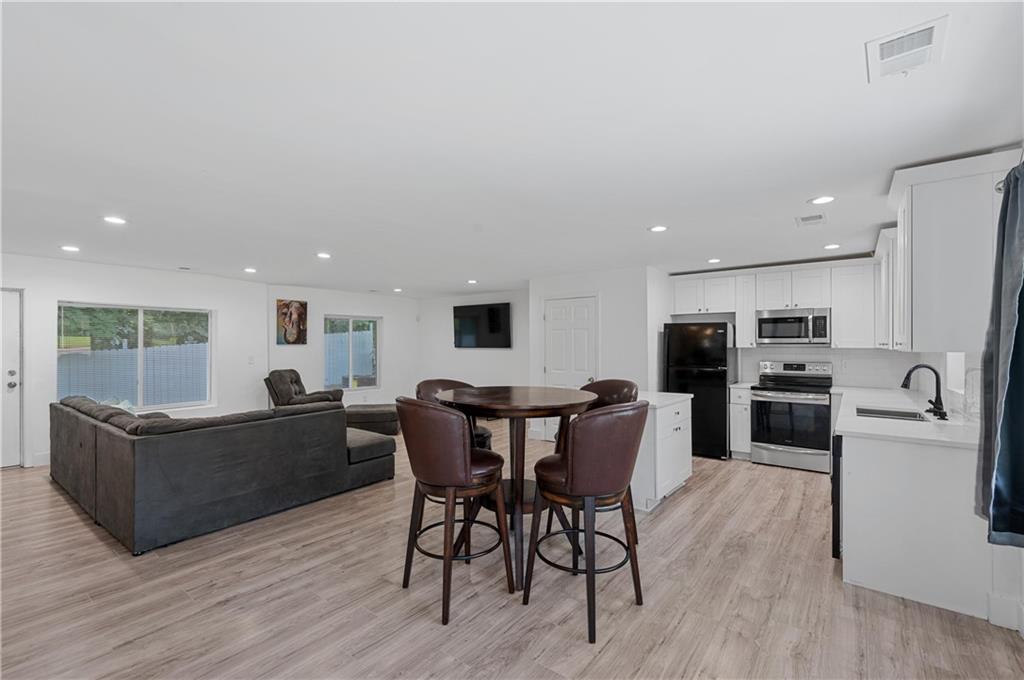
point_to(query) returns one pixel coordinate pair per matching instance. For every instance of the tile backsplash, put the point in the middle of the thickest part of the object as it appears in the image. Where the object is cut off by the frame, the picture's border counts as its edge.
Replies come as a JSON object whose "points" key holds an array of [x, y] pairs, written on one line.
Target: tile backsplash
{"points": [[850, 367]]}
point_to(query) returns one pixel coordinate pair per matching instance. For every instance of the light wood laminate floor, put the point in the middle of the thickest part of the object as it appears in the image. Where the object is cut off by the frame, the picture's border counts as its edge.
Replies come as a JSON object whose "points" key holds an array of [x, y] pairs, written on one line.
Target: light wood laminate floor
{"points": [[738, 582]]}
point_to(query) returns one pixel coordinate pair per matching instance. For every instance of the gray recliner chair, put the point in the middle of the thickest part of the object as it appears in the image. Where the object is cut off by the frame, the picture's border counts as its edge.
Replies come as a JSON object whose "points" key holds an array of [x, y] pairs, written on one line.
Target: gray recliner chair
{"points": [[286, 389]]}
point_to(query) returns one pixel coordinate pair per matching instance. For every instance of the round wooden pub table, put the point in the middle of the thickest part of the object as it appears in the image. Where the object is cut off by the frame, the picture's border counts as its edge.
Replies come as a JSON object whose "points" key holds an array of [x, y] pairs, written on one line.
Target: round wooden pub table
{"points": [[517, 404]]}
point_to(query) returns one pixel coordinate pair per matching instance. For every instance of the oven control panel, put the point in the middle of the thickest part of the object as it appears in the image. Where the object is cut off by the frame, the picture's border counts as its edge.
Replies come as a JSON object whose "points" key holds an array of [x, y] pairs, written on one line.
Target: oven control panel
{"points": [[821, 368]]}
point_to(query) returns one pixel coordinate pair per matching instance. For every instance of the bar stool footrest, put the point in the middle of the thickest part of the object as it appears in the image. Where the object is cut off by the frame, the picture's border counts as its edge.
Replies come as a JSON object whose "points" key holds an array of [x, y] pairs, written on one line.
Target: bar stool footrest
{"points": [[579, 538], [459, 558]]}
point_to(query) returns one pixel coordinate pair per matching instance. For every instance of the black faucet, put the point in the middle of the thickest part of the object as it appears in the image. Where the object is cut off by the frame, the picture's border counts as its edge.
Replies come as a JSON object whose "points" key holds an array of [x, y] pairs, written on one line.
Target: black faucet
{"points": [[936, 403]]}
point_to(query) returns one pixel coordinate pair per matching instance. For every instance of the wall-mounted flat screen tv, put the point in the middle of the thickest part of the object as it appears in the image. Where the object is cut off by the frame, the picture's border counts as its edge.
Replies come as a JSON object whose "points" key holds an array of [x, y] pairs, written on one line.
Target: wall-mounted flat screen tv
{"points": [[483, 325]]}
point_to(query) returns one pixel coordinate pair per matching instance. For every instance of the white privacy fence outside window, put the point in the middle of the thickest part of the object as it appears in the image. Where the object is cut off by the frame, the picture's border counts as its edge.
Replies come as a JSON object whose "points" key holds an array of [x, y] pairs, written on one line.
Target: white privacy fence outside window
{"points": [[351, 354], [98, 355]]}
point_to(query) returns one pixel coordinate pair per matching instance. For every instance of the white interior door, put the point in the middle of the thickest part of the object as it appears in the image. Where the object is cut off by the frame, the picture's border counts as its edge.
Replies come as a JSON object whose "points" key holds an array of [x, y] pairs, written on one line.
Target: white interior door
{"points": [[570, 346], [11, 360]]}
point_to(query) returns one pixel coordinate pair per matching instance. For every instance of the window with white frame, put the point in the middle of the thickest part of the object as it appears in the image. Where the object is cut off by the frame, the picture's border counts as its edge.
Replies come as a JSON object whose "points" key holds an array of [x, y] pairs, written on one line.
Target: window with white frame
{"points": [[133, 357], [351, 356]]}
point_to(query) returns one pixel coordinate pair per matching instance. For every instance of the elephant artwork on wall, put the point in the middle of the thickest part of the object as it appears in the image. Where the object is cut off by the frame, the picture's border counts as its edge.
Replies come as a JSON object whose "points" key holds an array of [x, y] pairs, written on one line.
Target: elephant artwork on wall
{"points": [[291, 322]]}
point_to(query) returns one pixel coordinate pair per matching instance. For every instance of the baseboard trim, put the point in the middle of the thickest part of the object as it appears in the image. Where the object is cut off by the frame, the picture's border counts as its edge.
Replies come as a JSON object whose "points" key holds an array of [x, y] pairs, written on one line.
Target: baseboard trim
{"points": [[1005, 612], [37, 459]]}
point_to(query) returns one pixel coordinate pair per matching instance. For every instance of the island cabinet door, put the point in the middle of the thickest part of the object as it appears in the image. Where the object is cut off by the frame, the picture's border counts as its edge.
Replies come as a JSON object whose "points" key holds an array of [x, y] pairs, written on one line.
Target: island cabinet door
{"points": [[673, 458]]}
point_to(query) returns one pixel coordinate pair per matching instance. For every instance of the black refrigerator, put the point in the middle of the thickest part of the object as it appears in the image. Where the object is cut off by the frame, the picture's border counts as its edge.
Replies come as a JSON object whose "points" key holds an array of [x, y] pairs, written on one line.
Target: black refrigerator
{"points": [[700, 360]]}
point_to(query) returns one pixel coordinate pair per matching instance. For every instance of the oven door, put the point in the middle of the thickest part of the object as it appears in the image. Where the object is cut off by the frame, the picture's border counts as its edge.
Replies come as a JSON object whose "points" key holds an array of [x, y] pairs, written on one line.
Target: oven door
{"points": [[783, 328], [791, 429]]}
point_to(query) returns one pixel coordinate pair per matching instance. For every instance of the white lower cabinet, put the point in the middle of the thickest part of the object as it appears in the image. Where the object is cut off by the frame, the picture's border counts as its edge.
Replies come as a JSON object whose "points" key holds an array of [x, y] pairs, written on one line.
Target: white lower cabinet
{"points": [[739, 430], [665, 460]]}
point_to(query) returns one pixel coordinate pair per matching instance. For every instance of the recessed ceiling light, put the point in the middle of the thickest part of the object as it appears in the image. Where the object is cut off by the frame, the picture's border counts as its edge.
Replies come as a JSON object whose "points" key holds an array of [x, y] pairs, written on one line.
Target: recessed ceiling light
{"points": [[114, 219], [657, 229], [324, 256], [832, 246], [821, 200], [471, 281], [397, 290], [714, 260], [70, 249], [249, 270]]}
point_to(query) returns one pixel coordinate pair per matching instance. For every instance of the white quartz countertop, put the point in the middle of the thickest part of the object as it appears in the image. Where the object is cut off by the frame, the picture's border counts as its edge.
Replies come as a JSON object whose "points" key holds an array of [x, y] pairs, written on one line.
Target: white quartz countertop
{"points": [[955, 432], [742, 385], [661, 399]]}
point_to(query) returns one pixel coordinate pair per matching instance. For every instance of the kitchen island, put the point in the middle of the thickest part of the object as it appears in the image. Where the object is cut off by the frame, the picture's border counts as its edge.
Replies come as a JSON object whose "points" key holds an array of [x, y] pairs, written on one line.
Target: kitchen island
{"points": [[907, 508]]}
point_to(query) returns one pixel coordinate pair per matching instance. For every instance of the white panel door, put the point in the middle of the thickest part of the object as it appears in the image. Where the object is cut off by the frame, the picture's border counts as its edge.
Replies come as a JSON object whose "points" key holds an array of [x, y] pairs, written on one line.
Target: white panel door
{"points": [[853, 306], [11, 434], [570, 346], [720, 294], [746, 311], [774, 290], [812, 288], [689, 296]]}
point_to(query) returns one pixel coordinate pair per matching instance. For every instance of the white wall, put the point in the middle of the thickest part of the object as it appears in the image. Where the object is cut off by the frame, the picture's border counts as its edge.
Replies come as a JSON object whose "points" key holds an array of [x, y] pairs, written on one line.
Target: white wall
{"points": [[622, 334], [239, 347], [660, 301], [439, 358], [398, 358]]}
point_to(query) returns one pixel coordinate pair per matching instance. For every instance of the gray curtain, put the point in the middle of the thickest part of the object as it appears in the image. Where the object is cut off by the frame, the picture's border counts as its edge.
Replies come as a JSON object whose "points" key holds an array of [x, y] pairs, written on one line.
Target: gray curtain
{"points": [[999, 494]]}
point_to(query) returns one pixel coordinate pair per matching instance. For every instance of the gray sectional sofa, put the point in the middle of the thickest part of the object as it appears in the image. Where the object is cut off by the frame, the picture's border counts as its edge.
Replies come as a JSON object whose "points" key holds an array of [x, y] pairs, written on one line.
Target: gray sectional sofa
{"points": [[153, 480]]}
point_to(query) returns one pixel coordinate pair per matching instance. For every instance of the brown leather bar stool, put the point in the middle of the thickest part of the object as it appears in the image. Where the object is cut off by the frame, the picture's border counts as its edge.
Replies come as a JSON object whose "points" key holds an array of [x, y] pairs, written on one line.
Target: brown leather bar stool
{"points": [[427, 390], [601, 447], [610, 391], [446, 465]]}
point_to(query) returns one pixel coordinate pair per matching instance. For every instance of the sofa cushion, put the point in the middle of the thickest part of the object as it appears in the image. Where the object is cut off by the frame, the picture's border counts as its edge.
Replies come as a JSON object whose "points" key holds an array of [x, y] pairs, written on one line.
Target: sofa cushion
{"points": [[167, 425], [77, 402], [363, 445], [312, 407], [100, 412], [128, 423], [372, 413], [153, 414]]}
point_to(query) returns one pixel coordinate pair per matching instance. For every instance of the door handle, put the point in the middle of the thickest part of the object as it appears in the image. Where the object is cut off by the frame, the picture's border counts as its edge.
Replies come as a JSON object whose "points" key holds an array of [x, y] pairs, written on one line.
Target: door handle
{"points": [[12, 372], [12, 385], [590, 379]]}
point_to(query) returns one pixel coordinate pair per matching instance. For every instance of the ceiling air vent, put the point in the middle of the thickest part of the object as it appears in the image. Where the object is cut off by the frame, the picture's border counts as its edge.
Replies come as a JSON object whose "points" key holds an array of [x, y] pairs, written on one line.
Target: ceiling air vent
{"points": [[816, 220], [906, 50]]}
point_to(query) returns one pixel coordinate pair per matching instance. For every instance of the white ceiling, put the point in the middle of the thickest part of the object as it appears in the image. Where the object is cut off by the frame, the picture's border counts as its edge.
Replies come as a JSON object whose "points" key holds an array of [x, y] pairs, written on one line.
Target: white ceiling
{"points": [[424, 145]]}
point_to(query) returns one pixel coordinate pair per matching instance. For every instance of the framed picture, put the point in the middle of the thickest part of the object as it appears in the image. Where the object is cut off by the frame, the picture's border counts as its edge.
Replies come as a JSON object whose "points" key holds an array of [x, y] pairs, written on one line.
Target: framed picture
{"points": [[291, 322]]}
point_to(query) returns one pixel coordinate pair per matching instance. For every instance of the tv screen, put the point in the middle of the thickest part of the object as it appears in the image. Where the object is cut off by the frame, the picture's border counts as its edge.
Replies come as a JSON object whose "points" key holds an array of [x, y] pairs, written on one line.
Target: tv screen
{"points": [[483, 325]]}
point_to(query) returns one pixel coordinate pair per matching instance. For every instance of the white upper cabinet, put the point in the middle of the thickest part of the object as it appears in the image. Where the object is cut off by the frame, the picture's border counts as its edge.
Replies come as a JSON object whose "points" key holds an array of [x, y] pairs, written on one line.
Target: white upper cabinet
{"points": [[883, 288], [700, 296], [689, 296], [943, 256], [853, 306], [720, 294], [952, 237], [812, 288], [775, 290], [746, 311]]}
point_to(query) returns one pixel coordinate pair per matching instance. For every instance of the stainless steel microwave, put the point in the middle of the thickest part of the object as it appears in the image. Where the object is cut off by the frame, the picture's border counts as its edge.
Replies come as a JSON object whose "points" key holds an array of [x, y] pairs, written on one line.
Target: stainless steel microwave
{"points": [[794, 327]]}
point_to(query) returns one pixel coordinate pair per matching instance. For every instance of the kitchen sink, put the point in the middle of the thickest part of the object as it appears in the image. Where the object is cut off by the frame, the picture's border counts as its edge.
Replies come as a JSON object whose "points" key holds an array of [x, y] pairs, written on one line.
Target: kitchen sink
{"points": [[894, 414]]}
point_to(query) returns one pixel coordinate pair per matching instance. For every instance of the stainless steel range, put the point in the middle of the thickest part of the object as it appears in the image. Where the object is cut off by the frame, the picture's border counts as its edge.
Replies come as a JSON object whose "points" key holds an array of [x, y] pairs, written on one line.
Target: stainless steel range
{"points": [[791, 415]]}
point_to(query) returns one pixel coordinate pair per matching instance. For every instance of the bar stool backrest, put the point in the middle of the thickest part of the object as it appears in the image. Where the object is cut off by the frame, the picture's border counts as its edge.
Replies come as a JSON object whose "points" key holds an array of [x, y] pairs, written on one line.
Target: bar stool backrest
{"points": [[437, 441], [602, 447], [611, 391], [427, 389]]}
